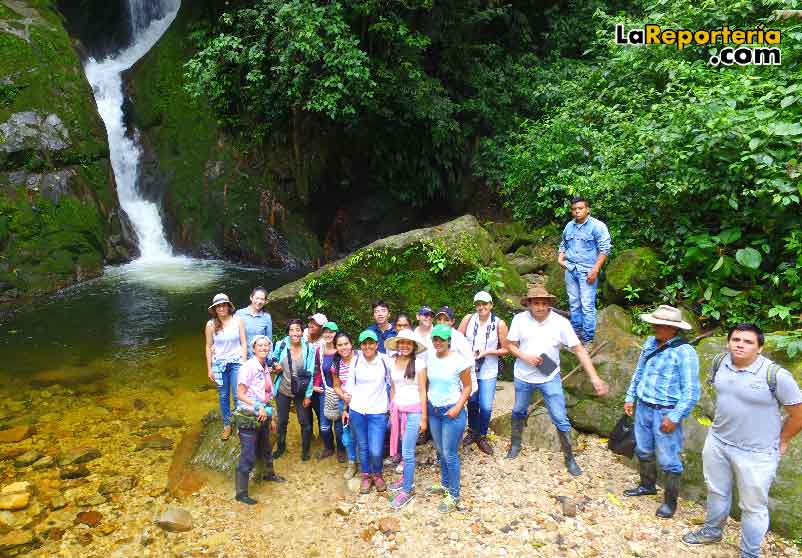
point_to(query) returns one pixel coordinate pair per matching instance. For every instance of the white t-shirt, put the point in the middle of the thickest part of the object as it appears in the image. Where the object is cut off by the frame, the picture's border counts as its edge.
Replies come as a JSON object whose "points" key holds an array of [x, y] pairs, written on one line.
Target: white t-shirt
{"points": [[537, 338], [425, 338], [486, 338], [461, 346], [406, 390], [367, 384]]}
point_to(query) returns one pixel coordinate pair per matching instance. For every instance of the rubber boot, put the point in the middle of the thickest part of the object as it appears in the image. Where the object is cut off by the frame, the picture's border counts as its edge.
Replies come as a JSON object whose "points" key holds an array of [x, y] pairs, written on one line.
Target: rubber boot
{"points": [[516, 433], [269, 474], [648, 479], [281, 441], [669, 507], [306, 442], [241, 480], [568, 452], [328, 444]]}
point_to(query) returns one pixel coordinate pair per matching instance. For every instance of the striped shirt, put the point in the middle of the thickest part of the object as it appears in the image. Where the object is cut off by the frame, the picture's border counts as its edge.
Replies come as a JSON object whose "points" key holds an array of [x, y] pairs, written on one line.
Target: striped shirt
{"points": [[670, 378]]}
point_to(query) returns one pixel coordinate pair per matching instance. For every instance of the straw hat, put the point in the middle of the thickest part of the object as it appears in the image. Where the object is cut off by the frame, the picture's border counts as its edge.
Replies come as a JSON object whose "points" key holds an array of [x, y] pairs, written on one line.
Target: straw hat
{"points": [[392, 342], [536, 291], [666, 315], [219, 299]]}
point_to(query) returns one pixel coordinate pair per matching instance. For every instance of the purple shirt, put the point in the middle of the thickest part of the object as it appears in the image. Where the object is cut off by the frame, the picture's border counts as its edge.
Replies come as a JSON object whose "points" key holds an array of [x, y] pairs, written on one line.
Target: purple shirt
{"points": [[257, 379]]}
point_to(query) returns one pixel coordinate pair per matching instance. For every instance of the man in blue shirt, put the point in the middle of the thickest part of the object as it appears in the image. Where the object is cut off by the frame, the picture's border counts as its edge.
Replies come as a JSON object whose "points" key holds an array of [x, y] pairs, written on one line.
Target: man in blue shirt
{"points": [[666, 387], [383, 328], [256, 320], [584, 246]]}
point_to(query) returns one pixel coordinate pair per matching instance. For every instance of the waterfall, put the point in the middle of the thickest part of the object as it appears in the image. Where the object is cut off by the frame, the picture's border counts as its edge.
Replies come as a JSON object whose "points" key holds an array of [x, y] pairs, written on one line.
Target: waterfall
{"points": [[149, 20]]}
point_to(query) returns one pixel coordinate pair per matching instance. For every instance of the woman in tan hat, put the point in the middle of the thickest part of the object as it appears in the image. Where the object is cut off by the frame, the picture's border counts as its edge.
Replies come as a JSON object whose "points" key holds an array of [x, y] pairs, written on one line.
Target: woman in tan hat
{"points": [[226, 351], [408, 412]]}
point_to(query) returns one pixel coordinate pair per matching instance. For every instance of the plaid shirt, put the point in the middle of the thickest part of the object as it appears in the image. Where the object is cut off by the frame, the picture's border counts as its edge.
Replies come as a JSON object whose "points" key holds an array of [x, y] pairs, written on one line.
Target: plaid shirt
{"points": [[670, 378]]}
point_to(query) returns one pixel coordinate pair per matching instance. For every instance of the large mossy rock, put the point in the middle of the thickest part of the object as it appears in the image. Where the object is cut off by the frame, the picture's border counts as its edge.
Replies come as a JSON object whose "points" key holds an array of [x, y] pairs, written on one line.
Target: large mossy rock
{"points": [[59, 216], [636, 268], [434, 266], [616, 362]]}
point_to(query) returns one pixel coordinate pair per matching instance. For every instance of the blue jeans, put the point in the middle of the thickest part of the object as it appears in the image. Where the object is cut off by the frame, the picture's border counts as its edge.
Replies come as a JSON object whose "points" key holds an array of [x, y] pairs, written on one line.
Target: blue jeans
{"points": [[753, 473], [649, 440], [480, 406], [350, 445], [369, 430], [325, 424], [582, 302], [227, 383], [447, 435], [408, 443], [553, 398]]}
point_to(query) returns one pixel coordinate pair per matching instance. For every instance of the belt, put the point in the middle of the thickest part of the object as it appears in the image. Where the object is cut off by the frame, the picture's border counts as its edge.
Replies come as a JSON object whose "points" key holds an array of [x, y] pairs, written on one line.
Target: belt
{"points": [[656, 406]]}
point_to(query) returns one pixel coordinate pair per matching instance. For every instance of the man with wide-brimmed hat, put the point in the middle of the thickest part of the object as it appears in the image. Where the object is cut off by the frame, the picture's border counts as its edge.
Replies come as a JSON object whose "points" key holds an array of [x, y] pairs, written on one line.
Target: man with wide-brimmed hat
{"points": [[535, 339], [665, 385]]}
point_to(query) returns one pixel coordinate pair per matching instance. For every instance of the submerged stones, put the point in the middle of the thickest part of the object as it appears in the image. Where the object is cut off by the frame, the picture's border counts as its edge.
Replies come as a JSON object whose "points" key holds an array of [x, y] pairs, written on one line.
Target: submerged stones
{"points": [[16, 434], [79, 455], [175, 520], [16, 496]]}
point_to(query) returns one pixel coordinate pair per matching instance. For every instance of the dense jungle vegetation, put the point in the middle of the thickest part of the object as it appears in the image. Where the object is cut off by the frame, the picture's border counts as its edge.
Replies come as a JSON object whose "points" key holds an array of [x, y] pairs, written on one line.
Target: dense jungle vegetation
{"points": [[535, 100]]}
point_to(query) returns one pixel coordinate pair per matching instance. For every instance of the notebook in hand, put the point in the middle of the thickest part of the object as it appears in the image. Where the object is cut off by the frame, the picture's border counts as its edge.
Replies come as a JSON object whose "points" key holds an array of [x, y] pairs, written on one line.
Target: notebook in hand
{"points": [[547, 366]]}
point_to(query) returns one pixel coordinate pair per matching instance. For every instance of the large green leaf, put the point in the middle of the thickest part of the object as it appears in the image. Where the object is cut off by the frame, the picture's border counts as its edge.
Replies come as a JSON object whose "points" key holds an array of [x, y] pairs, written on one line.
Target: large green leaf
{"points": [[748, 257], [726, 291], [785, 128]]}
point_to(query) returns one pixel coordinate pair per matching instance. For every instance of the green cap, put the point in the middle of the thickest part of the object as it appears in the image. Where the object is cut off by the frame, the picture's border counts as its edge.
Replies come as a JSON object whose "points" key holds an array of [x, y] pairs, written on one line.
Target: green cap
{"points": [[368, 334], [442, 331], [331, 326]]}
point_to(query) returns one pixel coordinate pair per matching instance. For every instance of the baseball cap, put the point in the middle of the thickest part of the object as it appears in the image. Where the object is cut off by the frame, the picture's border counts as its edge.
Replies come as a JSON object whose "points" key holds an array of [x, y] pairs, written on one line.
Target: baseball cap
{"points": [[482, 296], [331, 326], [424, 310], [447, 311], [442, 331], [319, 319], [368, 334]]}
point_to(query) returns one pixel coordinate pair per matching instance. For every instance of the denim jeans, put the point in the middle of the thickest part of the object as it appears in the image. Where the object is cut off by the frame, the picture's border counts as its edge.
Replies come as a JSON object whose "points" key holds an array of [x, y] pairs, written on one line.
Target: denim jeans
{"points": [[369, 430], [228, 377], [582, 302], [350, 447], [447, 435], [325, 424], [408, 442], [649, 440], [753, 474], [480, 406], [553, 397], [254, 443]]}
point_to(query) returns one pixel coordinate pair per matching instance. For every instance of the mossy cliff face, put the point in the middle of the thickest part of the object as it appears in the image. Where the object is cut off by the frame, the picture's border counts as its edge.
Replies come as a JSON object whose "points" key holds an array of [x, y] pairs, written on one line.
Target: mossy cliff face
{"points": [[616, 363], [433, 266], [59, 218], [222, 196]]}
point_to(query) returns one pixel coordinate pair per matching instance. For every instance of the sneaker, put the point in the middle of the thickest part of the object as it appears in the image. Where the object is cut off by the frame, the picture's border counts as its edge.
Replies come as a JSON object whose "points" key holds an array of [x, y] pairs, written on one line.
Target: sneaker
{"points": [[378, 482], [350, 470], [469, 439], [399, 468], [484, 445], [702, 536], [396, 485], [364, 487], [400, 500], [448, 505], [436, 490]]}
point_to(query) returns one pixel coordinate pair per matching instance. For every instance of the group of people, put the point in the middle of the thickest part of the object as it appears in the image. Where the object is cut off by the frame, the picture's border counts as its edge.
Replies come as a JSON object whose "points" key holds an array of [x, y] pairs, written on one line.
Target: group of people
{"points": [[440, 378]]}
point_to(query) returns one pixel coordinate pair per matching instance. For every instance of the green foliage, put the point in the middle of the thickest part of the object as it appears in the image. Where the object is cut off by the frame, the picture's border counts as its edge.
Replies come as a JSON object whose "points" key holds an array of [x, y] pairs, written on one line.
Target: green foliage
{"points": [[790, 342], [405, 90], [702, 162]]}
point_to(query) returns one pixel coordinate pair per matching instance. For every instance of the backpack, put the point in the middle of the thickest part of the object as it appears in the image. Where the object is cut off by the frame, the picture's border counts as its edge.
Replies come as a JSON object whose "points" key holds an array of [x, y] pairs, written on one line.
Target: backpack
{"points": [[771, 374]]}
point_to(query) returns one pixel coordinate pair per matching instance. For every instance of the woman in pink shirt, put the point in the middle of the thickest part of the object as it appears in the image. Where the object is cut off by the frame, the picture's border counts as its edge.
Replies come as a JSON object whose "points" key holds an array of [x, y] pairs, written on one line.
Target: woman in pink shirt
{"points": [[254, 393]]}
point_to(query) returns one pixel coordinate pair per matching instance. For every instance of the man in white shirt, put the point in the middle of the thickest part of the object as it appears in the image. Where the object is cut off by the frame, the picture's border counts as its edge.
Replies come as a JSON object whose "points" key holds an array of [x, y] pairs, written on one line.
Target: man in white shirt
{"points": [[535, 339]]}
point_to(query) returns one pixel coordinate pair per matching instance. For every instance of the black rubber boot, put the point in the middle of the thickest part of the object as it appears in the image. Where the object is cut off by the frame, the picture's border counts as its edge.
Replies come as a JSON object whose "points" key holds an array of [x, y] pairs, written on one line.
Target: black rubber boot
{"points": [[568, 452], [516, 432], [306, 442], [281, 441], [669, 507], [241, 480], [648, 479]]}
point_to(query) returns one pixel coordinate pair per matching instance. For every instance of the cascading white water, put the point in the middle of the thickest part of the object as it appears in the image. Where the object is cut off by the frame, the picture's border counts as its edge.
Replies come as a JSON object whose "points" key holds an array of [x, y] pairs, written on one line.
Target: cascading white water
{"points": [[106, 80], [156, 267]]}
